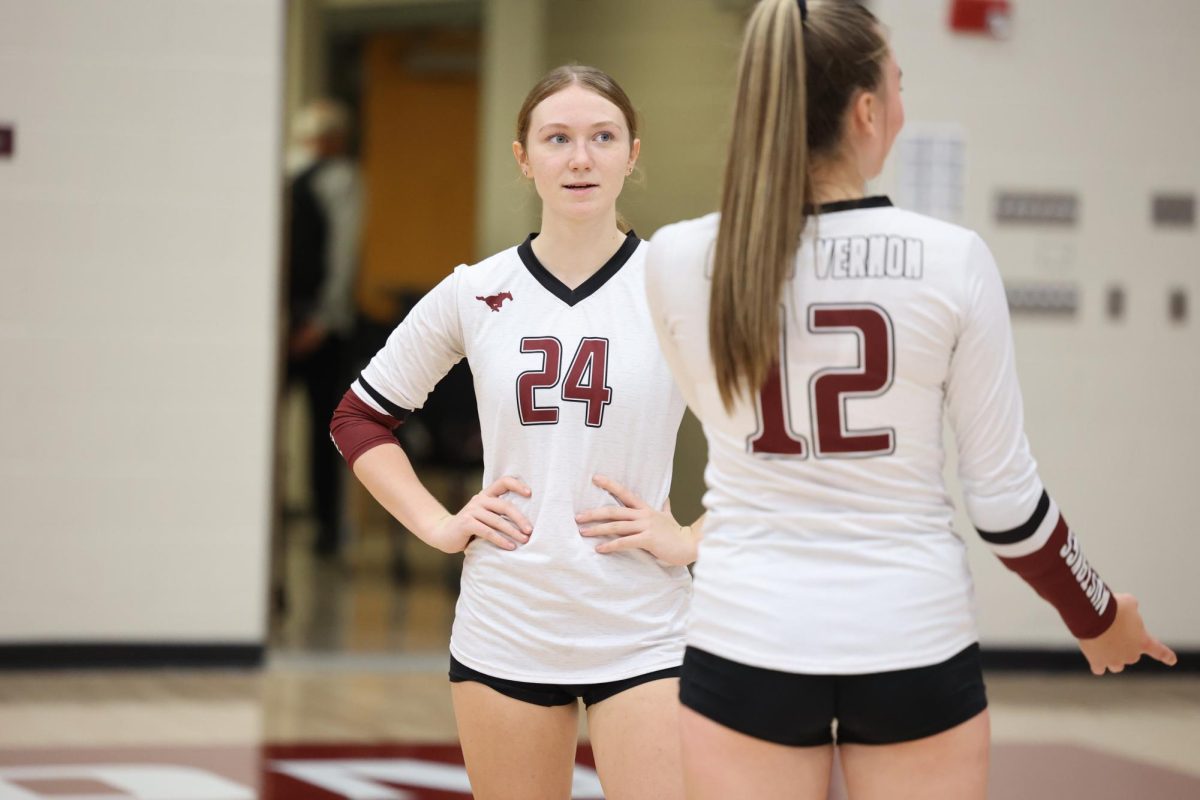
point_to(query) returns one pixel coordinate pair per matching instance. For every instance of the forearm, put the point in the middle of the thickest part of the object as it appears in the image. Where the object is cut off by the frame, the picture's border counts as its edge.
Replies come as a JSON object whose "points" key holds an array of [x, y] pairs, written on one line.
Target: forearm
{"points": [[388, 475], [1047, 555], [365, 438]]}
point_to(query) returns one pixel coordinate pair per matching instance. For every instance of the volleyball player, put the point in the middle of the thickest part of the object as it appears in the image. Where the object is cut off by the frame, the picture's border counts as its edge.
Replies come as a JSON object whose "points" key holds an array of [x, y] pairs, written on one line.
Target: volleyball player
{"points": [[819, 335], [574, 583]]}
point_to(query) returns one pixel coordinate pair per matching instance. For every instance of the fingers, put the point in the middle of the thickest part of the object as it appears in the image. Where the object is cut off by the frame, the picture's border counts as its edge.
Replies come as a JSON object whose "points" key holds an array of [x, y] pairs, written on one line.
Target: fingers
{"points": [[507, 484], [607, 514], [482, 531], [488, 513], [507, 509], [1160, 652], [499, 523], [624, 543], [618, 491], [613, 529]]}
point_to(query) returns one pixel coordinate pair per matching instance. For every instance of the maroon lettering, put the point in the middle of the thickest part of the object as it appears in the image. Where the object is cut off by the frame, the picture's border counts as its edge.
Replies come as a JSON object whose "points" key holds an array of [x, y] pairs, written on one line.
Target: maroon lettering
{"points": [[545, 378], [775, 436], [829, 389], [590, 364], [871, 378], [586, 380]]}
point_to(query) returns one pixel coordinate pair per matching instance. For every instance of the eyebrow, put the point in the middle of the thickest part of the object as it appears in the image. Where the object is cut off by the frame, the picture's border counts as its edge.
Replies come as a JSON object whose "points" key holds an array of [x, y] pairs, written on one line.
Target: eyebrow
{"points": [[602, 124]]}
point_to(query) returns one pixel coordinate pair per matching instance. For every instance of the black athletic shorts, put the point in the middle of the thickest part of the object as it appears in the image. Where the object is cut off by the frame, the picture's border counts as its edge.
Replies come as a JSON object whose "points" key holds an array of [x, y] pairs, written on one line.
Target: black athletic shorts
{"points": [[555, 694], [799, 710]]}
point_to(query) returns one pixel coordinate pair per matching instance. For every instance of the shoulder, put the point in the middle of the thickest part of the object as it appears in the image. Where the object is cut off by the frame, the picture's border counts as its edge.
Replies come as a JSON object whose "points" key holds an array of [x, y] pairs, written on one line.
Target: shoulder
{"points": [[946, 248], [682, 247], [932, 229], [499, 266], [688, 231]]}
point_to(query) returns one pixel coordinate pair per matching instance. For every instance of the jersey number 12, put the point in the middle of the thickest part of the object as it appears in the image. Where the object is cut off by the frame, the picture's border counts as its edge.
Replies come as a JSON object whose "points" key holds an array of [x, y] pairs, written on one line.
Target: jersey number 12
{"points": [[828, 389]]}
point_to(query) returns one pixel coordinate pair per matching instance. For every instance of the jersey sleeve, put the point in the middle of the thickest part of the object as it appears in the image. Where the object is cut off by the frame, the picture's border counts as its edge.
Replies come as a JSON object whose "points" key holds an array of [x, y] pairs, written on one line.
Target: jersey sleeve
{"points": [[357, 428], [1005, 498], [659, 263], [418, 354]]}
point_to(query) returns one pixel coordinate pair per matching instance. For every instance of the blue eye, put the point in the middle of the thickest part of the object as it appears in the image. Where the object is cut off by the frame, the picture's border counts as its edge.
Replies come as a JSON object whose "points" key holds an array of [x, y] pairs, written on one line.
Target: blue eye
{"points": [[558, 138], [605, 136]]}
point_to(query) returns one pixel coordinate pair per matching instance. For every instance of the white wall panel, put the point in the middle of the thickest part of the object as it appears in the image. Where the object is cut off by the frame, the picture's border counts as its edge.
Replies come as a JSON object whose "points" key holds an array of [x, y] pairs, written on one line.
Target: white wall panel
{"points": [[139, 273]]}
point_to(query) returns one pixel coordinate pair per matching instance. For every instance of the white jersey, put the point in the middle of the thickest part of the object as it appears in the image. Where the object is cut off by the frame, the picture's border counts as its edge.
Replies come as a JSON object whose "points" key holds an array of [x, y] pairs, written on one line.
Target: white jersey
{"points": [[829, 547], [570, 384]]}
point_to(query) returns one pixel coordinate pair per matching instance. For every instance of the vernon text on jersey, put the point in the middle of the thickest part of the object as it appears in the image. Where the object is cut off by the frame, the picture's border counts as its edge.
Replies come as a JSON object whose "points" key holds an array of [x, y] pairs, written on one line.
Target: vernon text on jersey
{"points": [[870, 257]]}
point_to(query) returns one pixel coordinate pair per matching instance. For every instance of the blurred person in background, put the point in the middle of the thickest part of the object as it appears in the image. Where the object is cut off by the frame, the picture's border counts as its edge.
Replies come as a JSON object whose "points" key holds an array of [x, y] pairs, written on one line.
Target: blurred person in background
{"points": [[324, 238], [821, 336]]}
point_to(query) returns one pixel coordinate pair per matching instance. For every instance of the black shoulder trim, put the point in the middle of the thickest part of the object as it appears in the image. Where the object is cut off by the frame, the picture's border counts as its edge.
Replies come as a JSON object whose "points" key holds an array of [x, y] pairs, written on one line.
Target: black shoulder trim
{"points": [[391, 408], [1021, 532], [876, 201], [588, 287]]}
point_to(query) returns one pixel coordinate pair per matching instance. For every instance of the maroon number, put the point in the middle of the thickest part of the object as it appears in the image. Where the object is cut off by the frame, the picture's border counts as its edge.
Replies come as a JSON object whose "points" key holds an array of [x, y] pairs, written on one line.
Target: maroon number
{"points": [[586, 381], [590, 364], [830, 388], [545, 378], [775, 436]]}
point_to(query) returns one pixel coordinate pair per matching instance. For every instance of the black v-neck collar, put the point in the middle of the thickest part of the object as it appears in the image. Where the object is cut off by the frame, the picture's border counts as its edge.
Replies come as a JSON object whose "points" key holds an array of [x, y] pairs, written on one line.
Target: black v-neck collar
{"points": [[588, 287], [876, 201]]}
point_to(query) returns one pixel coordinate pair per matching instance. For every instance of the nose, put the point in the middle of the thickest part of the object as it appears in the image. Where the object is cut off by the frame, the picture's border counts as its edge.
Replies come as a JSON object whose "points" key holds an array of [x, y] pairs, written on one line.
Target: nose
{"points": [[580, 157]]}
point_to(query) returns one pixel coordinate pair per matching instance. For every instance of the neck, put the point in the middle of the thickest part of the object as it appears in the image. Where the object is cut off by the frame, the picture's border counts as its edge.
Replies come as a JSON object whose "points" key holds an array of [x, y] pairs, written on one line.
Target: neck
{"points": [[836, 180], [573, 249]]}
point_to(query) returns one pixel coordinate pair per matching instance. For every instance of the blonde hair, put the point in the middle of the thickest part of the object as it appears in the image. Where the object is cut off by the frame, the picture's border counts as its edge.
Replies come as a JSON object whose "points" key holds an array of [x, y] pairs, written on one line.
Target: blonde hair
{"points": [[795, 80], [559, 78]]}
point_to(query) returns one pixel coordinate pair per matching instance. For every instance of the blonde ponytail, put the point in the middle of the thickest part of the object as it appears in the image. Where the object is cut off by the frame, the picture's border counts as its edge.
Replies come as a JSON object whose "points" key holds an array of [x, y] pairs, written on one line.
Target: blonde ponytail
{"points": [[762, 205], [784, 116]]}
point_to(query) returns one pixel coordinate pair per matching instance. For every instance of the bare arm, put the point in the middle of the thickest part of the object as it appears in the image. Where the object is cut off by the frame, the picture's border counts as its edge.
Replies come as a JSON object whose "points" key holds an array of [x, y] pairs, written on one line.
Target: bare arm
{"points": [[389, 476], [364, 437]]}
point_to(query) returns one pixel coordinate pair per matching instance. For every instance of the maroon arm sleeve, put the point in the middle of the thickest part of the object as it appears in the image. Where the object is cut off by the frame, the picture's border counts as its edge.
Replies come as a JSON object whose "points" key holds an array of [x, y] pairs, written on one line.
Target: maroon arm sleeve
{"points": [[356, 427], [1059, 572]]}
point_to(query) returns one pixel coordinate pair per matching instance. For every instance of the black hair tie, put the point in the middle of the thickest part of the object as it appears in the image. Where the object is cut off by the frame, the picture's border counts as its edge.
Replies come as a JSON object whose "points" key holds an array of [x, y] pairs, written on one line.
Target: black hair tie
{"points": [[803, 10]]}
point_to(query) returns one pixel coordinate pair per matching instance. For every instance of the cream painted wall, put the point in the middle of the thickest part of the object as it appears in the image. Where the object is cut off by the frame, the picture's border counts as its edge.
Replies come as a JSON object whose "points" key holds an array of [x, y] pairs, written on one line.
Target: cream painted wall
{"points": [[514, 57], [139, 264], [677, 61]]}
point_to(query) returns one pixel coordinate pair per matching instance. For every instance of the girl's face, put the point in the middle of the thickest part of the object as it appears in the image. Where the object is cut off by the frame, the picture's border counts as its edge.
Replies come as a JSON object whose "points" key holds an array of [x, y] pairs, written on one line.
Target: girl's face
{"points": [[578, 153]]}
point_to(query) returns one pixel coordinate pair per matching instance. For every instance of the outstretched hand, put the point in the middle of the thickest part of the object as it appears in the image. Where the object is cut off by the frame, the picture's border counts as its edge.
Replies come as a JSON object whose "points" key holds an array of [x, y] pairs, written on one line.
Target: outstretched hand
{"points": [[637, 526], [1126, 641], [487, 516]]}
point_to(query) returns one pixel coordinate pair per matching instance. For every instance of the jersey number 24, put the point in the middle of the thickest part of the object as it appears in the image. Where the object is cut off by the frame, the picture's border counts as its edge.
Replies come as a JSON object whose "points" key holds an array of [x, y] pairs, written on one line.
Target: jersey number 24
{"points": [[586, 380], [828, 389]]}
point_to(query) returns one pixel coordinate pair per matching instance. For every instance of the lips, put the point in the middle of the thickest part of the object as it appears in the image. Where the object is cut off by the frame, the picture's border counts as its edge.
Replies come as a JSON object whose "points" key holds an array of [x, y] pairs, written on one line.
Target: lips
{"points": [[580, 187]]}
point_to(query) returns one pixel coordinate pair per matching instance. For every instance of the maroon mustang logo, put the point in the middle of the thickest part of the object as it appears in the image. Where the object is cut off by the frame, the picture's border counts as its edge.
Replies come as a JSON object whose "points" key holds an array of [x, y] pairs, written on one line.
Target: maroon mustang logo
{"points": [[494, 301]]}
